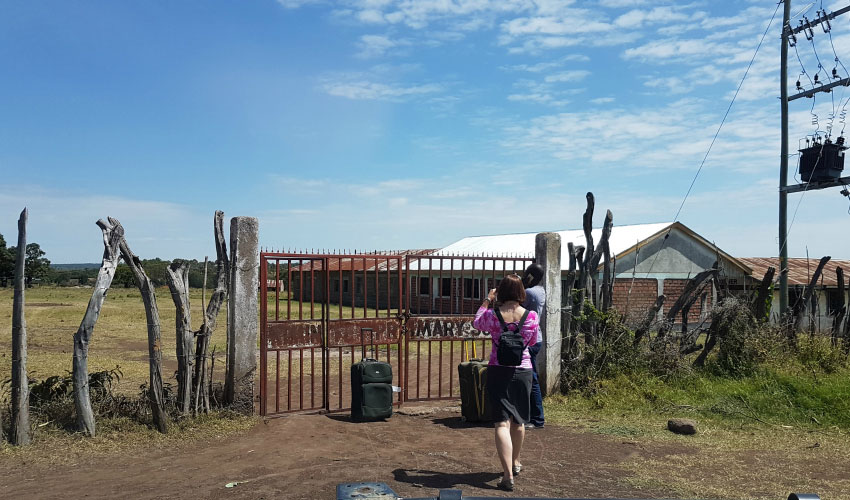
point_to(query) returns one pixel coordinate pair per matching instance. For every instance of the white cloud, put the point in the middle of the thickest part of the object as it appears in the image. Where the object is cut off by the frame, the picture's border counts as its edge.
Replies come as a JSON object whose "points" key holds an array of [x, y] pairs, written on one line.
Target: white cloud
{"points": [[367, 90], [675, 50], [568, 76], [637, 18], [535, 97], [618, 4], [603, 100], [64, 224], [295, 4], [377, 45], [550, 25], [671, 137], [371, 16]]}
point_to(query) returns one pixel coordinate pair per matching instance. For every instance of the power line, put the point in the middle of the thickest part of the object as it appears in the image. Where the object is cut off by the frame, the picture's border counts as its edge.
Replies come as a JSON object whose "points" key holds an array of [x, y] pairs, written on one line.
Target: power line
{"points": [[716, 133]]}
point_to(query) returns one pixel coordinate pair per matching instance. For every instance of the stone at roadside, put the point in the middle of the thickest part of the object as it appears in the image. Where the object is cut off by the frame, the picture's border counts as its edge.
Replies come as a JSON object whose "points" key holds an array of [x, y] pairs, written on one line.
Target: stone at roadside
{"points": [[682, 426]]}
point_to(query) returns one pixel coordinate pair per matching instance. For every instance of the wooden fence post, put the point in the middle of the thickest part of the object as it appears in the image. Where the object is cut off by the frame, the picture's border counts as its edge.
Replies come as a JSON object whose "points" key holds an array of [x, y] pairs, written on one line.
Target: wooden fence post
{"points": [[177, 277], [20, 431], [243, 325], [112, 234], [547, 250], [155, 391]]}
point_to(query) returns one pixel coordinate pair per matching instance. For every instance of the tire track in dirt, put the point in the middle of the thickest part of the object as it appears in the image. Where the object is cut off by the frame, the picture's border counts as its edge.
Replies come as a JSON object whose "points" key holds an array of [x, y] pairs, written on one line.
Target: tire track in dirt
{"points": [[306, 456]]}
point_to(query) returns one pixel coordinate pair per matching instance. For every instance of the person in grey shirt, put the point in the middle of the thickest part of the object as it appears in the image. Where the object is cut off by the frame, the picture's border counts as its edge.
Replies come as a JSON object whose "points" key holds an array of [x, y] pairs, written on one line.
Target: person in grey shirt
{"points": [[535, 300]]}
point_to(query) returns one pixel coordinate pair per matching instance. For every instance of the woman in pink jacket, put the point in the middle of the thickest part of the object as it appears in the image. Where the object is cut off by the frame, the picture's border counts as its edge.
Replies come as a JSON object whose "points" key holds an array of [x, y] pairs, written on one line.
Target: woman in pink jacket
{"points": [[508, 387]]}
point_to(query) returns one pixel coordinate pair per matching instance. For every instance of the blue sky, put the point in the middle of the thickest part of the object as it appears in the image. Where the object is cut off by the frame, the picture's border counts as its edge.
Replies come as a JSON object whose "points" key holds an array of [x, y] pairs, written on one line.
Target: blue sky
{"points": [[402, 123]]}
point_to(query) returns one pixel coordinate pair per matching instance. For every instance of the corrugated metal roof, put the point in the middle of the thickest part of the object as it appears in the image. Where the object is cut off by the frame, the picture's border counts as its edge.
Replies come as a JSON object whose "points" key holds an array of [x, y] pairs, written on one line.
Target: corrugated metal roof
{"points": [[360, 262], [799, 270], [522, 244], [622, 241]]}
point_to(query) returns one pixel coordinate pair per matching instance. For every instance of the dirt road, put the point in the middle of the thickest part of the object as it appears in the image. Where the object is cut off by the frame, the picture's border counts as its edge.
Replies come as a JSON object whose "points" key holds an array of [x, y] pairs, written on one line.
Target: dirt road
{"points": [[416, 452]]}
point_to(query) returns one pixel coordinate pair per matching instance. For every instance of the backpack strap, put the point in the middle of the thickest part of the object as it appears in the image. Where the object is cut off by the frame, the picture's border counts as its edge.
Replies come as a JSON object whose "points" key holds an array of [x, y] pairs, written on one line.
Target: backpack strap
{"points": [[501, 319], [522, 321], [521, 324]]}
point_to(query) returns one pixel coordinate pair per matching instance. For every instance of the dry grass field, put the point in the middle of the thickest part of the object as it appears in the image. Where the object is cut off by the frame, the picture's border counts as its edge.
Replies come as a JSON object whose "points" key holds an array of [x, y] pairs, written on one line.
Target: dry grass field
{"points": [[615, 443], [120, 336]]}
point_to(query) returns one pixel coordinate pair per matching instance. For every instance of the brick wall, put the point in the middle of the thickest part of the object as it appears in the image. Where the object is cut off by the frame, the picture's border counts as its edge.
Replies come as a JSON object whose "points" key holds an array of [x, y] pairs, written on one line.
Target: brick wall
{"points": [[673, 289], [644, 293]]}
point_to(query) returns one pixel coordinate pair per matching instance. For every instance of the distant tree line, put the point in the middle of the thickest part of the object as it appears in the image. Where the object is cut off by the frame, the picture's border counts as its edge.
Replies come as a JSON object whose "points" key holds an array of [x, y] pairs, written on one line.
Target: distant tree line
{"points": [[38, 269], [36, 266]]}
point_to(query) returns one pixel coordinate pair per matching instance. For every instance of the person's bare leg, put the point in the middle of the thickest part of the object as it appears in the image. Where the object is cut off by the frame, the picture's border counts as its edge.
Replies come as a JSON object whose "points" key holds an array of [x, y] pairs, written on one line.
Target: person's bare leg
{"points": [[517, 437], [504, 447]]}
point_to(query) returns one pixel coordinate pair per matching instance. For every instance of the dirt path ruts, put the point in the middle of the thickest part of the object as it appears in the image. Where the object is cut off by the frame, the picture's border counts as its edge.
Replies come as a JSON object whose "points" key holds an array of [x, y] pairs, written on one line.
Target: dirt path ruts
{"points": [[306, 456]]}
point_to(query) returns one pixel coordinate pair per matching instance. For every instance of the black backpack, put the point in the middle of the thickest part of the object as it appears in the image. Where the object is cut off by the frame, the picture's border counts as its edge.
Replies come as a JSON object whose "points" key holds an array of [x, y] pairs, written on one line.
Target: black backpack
{"points": [[510, 347]]}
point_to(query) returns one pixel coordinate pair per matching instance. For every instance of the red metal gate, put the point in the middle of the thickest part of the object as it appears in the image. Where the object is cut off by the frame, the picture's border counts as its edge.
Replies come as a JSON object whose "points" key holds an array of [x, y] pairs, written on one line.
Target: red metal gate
{"points": [[443, 295], [419, 308], [323, 306]]}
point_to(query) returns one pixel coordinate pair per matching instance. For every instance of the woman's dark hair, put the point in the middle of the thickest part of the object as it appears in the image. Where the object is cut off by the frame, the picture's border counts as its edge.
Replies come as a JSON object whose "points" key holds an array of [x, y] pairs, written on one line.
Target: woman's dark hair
{"points": [[510, 288], [533, 275]]}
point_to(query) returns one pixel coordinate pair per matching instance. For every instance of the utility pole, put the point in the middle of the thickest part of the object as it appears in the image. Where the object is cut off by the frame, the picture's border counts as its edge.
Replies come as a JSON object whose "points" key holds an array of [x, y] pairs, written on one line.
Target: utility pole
{"points": [[784, 189], [783, 163]]}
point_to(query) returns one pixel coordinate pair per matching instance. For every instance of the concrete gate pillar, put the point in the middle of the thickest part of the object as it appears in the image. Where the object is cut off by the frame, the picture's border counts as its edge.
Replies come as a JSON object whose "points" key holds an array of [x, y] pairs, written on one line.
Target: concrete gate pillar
{"points": [[547, 253], [242, 318]]}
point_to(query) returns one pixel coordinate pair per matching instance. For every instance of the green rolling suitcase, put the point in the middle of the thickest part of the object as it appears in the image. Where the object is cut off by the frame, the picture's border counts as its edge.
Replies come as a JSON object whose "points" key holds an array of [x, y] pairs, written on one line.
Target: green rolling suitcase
{"points": [[474, 404], [371, 387]]}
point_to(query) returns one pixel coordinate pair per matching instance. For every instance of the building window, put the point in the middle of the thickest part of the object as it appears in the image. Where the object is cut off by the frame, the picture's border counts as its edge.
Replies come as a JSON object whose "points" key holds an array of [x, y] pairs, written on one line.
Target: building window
{"points": [[424, 289], [795, 295], [345, 285], [446, 287], [471, 288], [834, 301]]}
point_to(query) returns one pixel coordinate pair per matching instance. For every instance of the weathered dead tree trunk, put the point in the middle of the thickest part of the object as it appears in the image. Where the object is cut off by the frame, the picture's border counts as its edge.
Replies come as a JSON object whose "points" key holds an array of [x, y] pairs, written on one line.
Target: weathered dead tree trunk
{"points": [[578, 299], [651, 316], [759, 303], [845, 335], [568, 346], [155, 391], [20, 431], [806, 300], [112, 234], [601, 251], [688, 342], [177, 276], [222, 264], [632, 284], [812, 313], [587, 226], [588, 270], [841, 311], [710, 342], [687, 339], [609, 270], [686, 310], [692, 286]]}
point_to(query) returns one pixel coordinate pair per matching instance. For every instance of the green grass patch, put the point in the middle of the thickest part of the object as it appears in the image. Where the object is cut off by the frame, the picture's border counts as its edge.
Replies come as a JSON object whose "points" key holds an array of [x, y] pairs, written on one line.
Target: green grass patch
{"points": [[784, 428], [774, 396]]}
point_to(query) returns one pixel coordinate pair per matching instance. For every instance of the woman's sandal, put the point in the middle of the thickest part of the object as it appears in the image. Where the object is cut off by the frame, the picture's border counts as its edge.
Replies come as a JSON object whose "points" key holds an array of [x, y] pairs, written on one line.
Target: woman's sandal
{"points": [[506, 484], [517, 469]]}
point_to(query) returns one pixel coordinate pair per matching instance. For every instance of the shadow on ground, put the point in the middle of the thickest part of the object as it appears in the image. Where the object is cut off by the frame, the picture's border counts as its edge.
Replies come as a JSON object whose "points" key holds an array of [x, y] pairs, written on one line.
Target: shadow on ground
{"points": [[458, 423], [442, 480]]}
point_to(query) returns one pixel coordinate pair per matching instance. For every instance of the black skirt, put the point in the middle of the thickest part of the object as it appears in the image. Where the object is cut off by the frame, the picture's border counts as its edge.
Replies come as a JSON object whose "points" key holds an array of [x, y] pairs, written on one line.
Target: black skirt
{"points": [[509, 390]]}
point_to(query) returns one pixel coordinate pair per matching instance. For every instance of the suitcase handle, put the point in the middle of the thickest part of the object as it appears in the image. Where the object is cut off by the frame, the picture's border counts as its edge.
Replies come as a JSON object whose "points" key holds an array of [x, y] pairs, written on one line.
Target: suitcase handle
{"points": [[371, 341], [466, 347], [479, 402]]}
